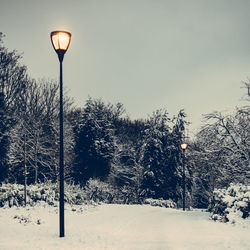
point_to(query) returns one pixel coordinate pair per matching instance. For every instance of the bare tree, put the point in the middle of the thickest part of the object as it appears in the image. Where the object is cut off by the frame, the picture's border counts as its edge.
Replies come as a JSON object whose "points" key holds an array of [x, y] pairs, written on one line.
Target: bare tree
{"points": [[246, 85], [225, 141], [34, 138]]}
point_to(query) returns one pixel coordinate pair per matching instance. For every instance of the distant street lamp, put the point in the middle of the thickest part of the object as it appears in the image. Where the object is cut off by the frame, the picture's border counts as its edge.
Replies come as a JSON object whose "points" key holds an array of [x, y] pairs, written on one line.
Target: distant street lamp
{"points": [[183, 147], [61, 41]]}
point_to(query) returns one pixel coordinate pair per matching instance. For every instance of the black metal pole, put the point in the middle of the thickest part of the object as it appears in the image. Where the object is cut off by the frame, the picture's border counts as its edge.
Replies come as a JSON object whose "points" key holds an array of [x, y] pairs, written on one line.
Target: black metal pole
{"points": [[184, 184], [61, 162]]}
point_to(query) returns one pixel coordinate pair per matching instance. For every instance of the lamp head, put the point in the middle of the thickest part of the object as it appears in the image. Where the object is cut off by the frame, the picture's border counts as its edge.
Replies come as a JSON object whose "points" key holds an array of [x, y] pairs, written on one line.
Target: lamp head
{"points": [[60, 41], [184, 146]]}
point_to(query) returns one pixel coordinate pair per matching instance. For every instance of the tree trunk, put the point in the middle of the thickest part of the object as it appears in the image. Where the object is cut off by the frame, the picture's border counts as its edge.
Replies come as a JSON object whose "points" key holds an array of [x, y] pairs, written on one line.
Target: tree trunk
{"points": [[25, 173]]}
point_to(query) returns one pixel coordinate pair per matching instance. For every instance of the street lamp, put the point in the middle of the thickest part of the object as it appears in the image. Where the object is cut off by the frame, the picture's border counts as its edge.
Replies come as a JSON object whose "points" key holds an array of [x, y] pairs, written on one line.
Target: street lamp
{"points": [[183, 147], [61, 40]]}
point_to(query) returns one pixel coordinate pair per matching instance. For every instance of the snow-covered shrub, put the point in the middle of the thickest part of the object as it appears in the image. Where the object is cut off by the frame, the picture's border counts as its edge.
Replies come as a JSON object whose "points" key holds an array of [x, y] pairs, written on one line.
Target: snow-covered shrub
{"points": [[99, 191], [231, 204], [47, 192], [128, 195], [74, 194], [160, 203], [13, 194]]}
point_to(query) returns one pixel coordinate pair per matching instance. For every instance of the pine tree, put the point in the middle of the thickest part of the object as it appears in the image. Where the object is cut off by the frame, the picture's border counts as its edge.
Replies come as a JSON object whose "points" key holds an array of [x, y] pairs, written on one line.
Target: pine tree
{"points": [[94, 142], [161, 155]]}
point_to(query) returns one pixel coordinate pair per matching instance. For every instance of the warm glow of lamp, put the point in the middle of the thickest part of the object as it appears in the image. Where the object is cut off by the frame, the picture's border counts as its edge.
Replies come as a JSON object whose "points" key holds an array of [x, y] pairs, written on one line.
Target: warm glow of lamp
{"points": [[60, 40], [184, 146]]}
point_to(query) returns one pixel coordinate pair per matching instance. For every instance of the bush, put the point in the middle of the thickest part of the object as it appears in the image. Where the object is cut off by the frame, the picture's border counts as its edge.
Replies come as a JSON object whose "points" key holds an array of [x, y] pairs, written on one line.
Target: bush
{"points": [[231, 204], [160, 203], [99, 191], [94, 191], [13, 194], [74, 194]]}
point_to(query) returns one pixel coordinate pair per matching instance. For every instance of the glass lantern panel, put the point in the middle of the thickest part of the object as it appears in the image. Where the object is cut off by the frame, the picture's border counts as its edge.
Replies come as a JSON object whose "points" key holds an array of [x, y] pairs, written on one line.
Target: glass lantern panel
{"points": [[64, 40], [61, 40]]}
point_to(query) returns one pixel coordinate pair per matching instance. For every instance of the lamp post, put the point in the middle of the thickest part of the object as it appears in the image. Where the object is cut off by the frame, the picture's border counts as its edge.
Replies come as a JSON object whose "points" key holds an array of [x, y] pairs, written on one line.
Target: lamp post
{"points": [[60, 41], [183, 147]]}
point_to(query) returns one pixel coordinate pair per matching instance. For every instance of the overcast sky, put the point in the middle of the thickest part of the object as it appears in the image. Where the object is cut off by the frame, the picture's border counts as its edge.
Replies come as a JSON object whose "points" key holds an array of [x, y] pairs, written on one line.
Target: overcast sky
{"points": [[146, 54]]}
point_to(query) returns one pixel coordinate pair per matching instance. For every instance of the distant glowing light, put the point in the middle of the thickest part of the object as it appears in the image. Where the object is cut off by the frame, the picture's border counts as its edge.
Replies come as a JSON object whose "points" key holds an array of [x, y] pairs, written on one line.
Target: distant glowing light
{"points": [[184, 146]]}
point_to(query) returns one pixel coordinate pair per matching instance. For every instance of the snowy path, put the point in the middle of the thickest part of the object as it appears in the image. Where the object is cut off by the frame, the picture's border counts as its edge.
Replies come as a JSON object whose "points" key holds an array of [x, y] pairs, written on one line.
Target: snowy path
{"points": [[118, 227]]}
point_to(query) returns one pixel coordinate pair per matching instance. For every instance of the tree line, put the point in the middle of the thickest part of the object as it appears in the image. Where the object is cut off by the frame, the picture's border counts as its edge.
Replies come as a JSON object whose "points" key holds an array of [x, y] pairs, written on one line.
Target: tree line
{"points": [[103, 143]]}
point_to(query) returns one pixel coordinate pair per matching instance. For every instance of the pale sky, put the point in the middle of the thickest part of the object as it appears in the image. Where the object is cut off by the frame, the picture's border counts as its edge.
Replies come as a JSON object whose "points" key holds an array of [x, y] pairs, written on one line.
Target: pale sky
{"points": [[146, 54]]}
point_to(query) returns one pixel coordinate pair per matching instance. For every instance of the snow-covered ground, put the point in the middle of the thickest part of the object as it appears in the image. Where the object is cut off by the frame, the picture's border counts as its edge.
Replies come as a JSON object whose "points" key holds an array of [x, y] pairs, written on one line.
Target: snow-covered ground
{"points": [[117, 227]]}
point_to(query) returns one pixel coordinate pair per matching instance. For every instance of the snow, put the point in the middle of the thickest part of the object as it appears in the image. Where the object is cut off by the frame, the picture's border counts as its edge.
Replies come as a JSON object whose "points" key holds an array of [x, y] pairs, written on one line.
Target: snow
{"points": [[117, 227]]}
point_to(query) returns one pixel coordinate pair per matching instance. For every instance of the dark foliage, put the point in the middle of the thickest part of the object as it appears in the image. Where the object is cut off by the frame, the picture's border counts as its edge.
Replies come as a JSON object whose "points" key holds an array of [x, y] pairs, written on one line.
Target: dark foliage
{"points": [[94, 146], [161, 156]]}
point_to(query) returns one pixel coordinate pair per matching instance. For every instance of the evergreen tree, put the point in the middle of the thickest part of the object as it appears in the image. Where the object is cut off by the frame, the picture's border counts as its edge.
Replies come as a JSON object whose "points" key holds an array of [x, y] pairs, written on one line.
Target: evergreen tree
{"points": [[160, 156], [95, 146]]}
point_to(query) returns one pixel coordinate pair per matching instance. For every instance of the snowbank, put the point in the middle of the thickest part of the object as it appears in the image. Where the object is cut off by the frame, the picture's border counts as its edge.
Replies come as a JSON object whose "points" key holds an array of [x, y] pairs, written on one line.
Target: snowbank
{"points": [[116, 227]]}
